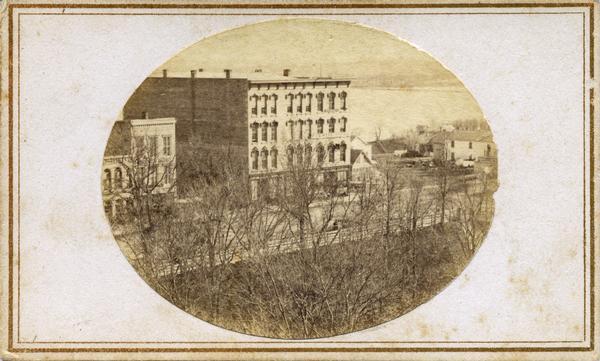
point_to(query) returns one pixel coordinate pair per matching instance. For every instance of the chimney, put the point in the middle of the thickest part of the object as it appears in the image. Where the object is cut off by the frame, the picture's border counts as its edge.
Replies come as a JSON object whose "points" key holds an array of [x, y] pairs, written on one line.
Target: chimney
{"points": [[193, 74], [227, 73], [164, 73], [144, 115], [286, 72]]}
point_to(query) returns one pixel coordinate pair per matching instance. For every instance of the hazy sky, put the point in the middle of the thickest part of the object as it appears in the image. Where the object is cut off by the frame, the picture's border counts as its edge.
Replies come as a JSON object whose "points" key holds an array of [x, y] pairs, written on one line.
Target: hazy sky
{"points": [[418, 89]]}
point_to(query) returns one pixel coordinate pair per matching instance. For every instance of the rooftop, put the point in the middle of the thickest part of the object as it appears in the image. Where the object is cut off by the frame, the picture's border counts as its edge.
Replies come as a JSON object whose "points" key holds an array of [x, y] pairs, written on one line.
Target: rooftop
{"points": [[253, 77]]}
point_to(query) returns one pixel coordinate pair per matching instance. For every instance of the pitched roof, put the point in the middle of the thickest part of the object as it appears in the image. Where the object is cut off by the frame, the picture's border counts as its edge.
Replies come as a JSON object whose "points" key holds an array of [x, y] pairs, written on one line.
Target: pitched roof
{"points": [[355, 153], [462, 135], [119, 141]]}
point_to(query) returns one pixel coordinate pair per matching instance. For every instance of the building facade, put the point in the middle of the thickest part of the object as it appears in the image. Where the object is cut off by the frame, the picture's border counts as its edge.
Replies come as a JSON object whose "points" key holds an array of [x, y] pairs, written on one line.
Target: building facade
{"points": [[140, 159], [458, 145], [297, 123]]}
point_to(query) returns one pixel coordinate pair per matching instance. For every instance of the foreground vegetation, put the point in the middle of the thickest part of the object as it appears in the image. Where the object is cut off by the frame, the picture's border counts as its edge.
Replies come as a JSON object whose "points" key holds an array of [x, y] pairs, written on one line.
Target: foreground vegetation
{"points": [[305, 262]]}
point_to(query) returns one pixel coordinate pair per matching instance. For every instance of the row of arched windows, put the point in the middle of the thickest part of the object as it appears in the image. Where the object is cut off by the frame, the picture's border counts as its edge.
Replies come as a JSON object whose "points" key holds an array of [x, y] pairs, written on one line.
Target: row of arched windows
{"points": [[298, 154], [264, 131], [113, 178], [304, 128], [297, 103]]}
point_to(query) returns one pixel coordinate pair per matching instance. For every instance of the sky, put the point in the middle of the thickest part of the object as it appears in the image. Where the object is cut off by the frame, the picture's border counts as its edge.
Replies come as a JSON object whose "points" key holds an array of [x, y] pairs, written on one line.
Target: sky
{"points": [[395, 85]]}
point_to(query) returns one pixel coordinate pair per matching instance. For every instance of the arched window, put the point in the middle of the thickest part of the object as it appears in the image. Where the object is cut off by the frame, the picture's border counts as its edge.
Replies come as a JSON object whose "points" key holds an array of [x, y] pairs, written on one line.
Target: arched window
{"points": [[309, 130], [331, 123], [263, 109], [254, 127], [290, 107], [290, 156], [320, 153], [274, 131], [320, 97], [331, 98], [299, 97], [274, 106], [331, 152], [308, 97], [343, 152], [343, 100], [107, 180], [264, 131], [254, 156], [300, 128], [299, 154], [308, 154], [274, 158], [254, 103], [118, 178], [264, 156], [343, 122], [320, 126]]}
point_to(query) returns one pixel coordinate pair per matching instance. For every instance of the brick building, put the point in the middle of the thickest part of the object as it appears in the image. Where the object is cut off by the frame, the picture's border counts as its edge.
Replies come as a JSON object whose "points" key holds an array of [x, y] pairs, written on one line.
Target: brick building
{"points": [[265, 123]]}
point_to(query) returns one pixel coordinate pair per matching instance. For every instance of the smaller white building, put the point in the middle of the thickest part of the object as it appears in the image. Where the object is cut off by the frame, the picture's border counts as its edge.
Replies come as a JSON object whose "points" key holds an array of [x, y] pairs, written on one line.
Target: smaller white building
{"points": [[140, 155], [363, 168], [459, 146]]}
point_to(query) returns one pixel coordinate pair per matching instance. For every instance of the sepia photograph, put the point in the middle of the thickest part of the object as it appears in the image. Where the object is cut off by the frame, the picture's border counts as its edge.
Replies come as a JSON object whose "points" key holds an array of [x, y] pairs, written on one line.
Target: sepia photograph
{"points": [[283, 180]]}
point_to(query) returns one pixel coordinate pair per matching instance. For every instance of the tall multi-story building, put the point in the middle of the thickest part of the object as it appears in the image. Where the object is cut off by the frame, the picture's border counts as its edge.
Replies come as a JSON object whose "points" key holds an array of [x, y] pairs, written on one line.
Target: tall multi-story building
{"points": [[297, 122], [266, 122]]}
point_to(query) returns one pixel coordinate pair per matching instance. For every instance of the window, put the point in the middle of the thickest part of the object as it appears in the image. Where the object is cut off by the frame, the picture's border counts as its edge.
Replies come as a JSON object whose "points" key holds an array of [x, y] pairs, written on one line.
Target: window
{"points": [[290, 107], [331, 151], [309, 126], [308, 154], [331, 98], [139, 143], [290, 156], [274, 106], [343, 152], [263, 109], [254, 102], [254, 132], [107, 180], [254, 156], [264, 130], [320, 126], [274, 131], [331, 123], [264, 155], [153, 144], [118, 178], [300, 128], [452, 156], [291, 125], [308, 102], [299, 154], [167, 174], [452, 144], [166, 144], [299, 96], [343, 100], [343, 124], [320, 97], [470, 145], [274, 158], [320, 154]]}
